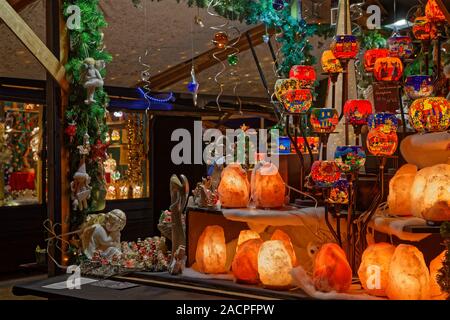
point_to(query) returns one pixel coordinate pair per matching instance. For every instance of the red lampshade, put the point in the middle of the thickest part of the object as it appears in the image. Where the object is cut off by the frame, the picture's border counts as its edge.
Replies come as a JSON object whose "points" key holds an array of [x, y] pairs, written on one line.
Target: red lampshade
{"points": [[433, 12], [424, 29], [345, 46], [357, 111], [372, 55], [388, 69], [380, 143], [306, 74]]}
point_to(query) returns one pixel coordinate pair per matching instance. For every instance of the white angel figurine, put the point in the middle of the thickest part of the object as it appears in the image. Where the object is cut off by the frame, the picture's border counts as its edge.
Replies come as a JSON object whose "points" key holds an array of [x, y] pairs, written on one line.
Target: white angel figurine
{"points": [[102, 233], [92, 80]]}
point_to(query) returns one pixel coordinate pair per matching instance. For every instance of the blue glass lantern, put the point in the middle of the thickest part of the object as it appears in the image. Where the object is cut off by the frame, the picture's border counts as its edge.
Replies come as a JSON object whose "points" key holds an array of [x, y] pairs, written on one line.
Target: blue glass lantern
{"points": [[284, 145], [384, 121], [417, 87]]}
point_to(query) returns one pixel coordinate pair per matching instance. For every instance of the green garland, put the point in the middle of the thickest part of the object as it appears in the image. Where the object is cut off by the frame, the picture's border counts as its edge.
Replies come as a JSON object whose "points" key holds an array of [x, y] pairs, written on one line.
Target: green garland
{"points": [[87, 42]]}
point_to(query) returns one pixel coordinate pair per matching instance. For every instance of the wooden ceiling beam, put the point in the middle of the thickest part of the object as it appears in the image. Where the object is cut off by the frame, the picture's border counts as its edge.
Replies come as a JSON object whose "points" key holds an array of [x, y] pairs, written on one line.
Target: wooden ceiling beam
{"points": [[203, 61], [19, 5]]}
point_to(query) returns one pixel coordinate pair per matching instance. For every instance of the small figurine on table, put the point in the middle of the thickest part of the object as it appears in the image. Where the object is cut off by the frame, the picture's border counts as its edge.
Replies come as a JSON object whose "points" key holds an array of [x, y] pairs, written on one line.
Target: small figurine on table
{"points": [[92, 80], [81, 190]]}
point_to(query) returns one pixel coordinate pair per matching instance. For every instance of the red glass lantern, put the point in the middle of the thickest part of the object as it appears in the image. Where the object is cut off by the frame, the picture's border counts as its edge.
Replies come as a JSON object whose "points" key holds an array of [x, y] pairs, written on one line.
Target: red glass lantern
{"points": [[372, 55], [306, 74], [330, 64], [388, 69], [357, 111], [400, 46], [297, 101], [433, 12], [325, 174], [430, 114], [345, 46], [424, 29], [380, 143], [313, 142]]}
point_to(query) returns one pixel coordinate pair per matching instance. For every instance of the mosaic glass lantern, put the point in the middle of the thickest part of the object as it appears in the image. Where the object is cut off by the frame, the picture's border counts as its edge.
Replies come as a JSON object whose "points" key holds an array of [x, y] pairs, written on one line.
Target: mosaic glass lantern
{"points": [[284, 145], [350, 158], [400, 46], [305, 74], [339, 192], [345, 46], [330, 64], [325, 174], [433, 12], [357, 111], [297, 101], [430, 114], [384, 121], [284, 85], [313, 143], [372, 55], [388, 69], [424, 29], [324, 120], [380, 143], [418, 86]]}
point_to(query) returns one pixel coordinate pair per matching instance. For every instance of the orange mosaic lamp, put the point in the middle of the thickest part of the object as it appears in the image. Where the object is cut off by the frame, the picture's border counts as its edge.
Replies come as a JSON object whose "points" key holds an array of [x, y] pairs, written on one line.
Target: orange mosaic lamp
{"points": [[371, 56], [430, 114], [433, 12], [305, 74], [388, 69], [424, 29], [330, 64]]}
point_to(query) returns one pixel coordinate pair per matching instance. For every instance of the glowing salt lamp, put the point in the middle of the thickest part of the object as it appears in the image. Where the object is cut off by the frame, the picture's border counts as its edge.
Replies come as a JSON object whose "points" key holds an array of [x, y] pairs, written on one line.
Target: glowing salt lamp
{"points": [[382, 144], [245, 262], [350, 158], [330, 64], [234, 188], [345, 46], [435, 289], [430, 193], [274, 265], [211, 253], [417, 87], [332, 271], [374, 269], [388, 69], [399, 198], [371, 56], [324, 120], [430, 114], [268, 189], [297, 101], [283, 236], [305, 74], [400, 46], [325, 173], [433, 12], [246, 235], [357, 111], [409, 278], [424, 29]]}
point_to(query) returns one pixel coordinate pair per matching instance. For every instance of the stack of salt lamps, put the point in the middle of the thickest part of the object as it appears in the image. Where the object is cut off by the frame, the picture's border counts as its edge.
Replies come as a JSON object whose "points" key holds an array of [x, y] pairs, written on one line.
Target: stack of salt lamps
{"points": [[267, 186], [211, 253], [430, 114], [409, 278], [430, 193], [284, 237], [371, 56], [245, 262], [418, 86], [332, 271], [388, 69], [330, 64], [435, 289], [374, 269], [234, 188], [399, 198]]}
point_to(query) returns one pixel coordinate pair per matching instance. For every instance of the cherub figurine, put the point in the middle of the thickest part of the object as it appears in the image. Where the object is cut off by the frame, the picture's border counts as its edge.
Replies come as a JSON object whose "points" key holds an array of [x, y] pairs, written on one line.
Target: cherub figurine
{"points": [[81, 190], [92, 80], [101, 233]]}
